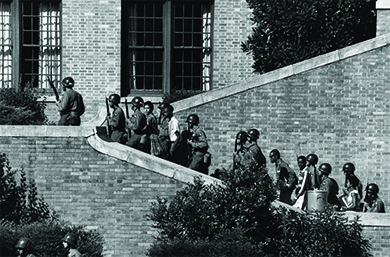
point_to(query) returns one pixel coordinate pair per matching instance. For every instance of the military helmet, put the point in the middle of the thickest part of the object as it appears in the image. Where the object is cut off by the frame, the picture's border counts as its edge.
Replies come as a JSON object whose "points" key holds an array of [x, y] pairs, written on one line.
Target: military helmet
{"points": [[162, 106], [23, 243], [372, 188], [325, 168], [242, 135], [70, 238], [68, 82], [137, 101], [193, 119], [312, 158], [254, 133], [349, 167], [115, 98]]}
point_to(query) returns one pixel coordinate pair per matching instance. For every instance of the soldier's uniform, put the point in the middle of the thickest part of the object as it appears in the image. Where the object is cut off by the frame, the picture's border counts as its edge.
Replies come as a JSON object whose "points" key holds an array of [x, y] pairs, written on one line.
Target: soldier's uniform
{"points": [[137, 124], [331, 186], [117, 122], [198, 151], [253, 155], [71, 106]]}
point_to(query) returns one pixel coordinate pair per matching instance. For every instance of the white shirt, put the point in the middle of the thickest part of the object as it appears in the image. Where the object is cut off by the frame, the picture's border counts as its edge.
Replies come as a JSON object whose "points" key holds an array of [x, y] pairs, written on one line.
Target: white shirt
{"points": [[173, 126]]}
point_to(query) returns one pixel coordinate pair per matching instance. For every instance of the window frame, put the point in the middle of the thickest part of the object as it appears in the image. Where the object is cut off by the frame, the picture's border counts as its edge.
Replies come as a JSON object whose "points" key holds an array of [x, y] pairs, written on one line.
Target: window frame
{"points": [[168, 48], [17, 45]]}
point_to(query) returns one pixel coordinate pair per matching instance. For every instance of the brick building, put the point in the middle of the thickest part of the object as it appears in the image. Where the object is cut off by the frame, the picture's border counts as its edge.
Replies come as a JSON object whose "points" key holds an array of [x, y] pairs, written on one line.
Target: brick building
{"points": [[335, 105]]}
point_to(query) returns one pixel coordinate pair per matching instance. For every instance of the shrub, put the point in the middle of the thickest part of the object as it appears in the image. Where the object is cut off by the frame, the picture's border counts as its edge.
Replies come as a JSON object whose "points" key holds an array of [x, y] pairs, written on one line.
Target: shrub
{"points": [[319, 234], [21, 106], [236, 218], [46, 237], [19, 201]]}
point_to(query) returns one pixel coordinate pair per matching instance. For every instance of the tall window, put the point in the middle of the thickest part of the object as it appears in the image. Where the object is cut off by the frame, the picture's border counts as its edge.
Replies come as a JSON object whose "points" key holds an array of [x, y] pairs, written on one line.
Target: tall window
{"points": [[31, 51], [166, 46]]}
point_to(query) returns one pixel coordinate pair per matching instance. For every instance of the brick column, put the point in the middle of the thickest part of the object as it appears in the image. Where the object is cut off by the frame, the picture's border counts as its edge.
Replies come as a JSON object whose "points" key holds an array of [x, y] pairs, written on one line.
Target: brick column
{"points": [[383, 17]]}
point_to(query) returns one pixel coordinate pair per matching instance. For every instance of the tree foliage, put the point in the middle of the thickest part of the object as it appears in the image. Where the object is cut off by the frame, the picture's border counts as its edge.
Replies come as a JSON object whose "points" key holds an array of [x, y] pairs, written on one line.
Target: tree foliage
{"points": [[289, 31], [20, 106], [19, 201]]}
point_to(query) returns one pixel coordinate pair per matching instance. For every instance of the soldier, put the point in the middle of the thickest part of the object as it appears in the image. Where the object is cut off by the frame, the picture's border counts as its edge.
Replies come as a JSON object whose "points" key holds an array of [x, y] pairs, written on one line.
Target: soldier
{"points": [[169, 134], [372, 201], [24, 248], [70, 242], [349, 169], [198, 142], [117, 120], [329, 184], [71, 106], [253, 154], [136, 125], [239, 148], [287, 180]]}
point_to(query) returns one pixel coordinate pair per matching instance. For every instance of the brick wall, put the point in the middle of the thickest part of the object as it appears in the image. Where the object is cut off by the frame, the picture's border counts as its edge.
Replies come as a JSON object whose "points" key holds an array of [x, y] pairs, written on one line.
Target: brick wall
{"points": [[232, 25], [383, 17], [88, 188]]}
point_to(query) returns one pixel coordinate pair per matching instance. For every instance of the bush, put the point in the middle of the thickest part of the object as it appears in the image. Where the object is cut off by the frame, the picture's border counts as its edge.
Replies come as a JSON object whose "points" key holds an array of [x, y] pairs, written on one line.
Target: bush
{"points": [[290, 31], [319, 234], [21, 107], [236, 218], [46, 237], [19, 201]]}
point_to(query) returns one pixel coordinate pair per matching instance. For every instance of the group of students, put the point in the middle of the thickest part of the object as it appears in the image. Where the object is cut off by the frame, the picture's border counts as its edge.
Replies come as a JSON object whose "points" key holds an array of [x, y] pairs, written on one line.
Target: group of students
{"points": [[25, 247], [293, 187], [160, 136]]}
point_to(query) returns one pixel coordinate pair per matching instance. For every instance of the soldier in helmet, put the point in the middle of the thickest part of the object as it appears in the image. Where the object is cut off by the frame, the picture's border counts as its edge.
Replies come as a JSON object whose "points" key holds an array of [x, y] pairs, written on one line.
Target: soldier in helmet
{"points": [[24, 248], [71, 106], [198, 144], [253, 154], [169, 134], [329, 184], [349, 169], [70, 242], [372, 202], [116, 120], [137, 124]]}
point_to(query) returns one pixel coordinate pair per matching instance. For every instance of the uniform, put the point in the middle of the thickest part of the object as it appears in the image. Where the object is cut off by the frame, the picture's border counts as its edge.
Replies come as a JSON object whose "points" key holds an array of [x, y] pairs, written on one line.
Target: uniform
{"points": [[117, 122], [331, 186], [198, 151], [253, 155], [71, 107], [137, 124], [377, 205]]}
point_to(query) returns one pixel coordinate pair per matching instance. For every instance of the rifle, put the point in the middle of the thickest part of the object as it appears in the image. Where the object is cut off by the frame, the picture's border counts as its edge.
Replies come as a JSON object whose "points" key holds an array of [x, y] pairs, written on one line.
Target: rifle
{"points": [[108, 115], [128, 130], [54, 89]]}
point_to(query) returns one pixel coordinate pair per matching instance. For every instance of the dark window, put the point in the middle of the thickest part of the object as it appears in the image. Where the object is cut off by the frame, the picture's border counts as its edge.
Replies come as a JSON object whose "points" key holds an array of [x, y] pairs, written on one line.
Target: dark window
{"points": [[166, 46]]}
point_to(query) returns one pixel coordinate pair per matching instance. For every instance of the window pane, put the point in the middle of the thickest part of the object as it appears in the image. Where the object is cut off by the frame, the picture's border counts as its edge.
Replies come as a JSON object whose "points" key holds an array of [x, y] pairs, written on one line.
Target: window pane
{"points": [[144, 28], [192, 46], [5, 45], [41, 45]]}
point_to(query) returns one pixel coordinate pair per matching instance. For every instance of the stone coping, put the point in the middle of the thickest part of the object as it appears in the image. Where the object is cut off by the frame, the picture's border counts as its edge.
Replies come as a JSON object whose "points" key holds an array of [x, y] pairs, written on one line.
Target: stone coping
{"points": [[382, 4]]}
